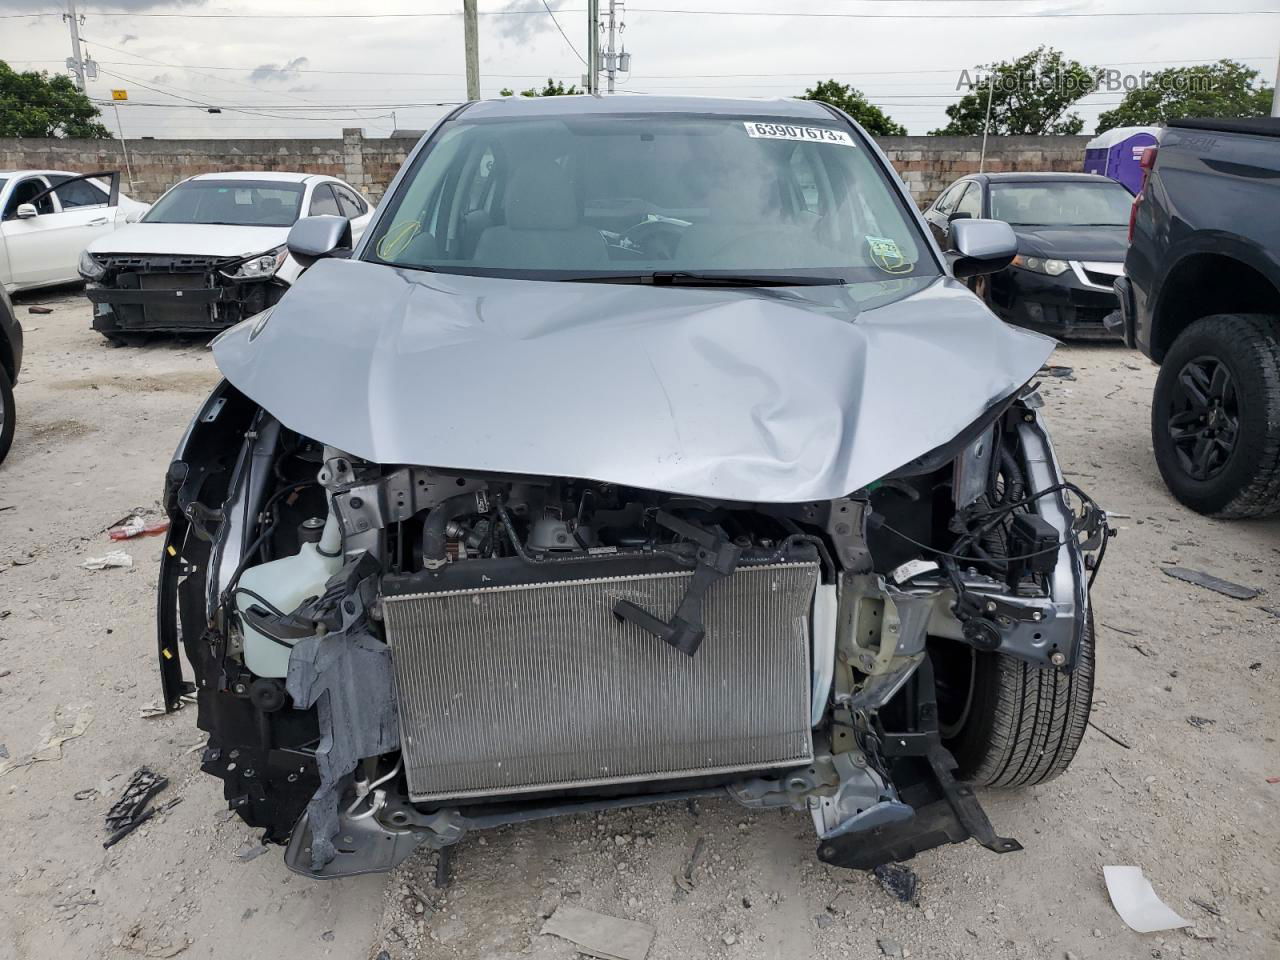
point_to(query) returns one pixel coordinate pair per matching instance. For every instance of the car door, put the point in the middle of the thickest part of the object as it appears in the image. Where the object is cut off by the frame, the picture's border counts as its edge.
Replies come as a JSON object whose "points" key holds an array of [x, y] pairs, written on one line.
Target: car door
{"points": [[354, 207], [30, 244], [71, 212], [85, 208]]}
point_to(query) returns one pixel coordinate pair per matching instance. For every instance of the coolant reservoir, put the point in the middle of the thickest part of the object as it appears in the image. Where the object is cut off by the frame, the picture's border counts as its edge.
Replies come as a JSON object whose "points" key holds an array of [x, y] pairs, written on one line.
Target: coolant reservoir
{"points": [[285, 583]]}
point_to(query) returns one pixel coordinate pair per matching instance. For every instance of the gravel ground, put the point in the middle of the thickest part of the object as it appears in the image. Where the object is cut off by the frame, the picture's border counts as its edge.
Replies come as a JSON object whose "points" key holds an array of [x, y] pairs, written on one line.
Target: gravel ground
{"points": [[1186, 799]]}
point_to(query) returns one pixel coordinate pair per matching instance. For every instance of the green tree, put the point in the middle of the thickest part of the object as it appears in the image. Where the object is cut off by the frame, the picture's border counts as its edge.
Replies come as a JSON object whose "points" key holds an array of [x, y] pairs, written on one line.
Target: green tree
{"points": [[1029, 95], [1222, 89], [554, 88], [34, 104], [852, 101]]}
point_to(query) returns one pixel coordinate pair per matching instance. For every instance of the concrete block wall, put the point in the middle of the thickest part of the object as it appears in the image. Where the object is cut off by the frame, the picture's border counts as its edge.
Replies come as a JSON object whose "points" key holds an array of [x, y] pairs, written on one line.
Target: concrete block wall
{"points": [[926, 164]]}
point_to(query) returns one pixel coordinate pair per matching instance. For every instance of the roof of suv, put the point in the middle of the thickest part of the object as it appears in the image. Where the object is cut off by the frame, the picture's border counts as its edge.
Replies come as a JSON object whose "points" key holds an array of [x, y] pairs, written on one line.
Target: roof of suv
{"points": [[585, 105]]}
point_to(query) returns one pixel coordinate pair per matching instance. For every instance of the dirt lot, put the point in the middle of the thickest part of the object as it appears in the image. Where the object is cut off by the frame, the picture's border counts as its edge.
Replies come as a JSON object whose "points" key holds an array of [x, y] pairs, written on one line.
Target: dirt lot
{"points": [[1187, 681]]}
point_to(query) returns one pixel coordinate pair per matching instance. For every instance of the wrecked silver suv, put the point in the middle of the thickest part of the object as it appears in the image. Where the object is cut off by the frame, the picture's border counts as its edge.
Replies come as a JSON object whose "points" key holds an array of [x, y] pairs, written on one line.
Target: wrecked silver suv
{"points": [[643, 449]]}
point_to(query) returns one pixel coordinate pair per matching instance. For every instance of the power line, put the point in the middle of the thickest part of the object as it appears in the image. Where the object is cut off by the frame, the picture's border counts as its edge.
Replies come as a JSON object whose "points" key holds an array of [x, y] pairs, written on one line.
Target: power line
{"points": [[836, 15], [653, 76], [841, 15], [562, 33]]}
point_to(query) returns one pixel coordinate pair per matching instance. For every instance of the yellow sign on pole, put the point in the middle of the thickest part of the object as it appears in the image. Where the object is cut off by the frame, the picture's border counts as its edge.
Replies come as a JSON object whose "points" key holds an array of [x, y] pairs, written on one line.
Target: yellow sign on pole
{"points": [[119, 94]]}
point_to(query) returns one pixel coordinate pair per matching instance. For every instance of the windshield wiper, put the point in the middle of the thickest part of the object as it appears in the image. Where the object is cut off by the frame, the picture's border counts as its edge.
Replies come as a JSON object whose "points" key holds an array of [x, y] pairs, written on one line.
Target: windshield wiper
{"points": [[685, 278]]}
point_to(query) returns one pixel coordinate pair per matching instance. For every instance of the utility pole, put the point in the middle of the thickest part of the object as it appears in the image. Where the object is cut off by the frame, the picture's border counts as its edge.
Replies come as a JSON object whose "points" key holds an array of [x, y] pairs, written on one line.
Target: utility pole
{"points": [[991, 88], [75, 63], [616, 61], [611, 57], [1275, 95], [471, 40], [593, 46]]}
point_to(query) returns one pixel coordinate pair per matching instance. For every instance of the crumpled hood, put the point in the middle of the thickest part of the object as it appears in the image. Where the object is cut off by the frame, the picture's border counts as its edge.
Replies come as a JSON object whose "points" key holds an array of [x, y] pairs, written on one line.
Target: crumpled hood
{"points": [[770, 395], [1074, 243], [192, 239]]}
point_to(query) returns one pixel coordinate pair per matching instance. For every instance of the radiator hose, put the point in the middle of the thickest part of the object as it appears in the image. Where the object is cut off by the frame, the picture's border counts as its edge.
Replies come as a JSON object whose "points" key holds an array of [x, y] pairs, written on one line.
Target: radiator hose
{"points": [[434, 537]]}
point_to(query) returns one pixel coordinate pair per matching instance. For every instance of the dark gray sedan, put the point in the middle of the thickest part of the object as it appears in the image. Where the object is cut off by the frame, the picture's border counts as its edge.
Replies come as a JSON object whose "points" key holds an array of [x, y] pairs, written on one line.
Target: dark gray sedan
{"points": [[1071, 230]]}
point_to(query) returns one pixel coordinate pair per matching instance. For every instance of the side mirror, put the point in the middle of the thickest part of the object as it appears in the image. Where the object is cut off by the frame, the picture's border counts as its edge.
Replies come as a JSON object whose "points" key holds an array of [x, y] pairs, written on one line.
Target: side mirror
{"points": [[959, 215], [315, 238], [980, 246], [26, 211], [133, 216]]}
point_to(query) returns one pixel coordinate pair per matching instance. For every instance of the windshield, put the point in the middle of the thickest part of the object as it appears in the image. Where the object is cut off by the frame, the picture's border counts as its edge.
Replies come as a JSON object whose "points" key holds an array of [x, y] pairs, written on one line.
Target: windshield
{"points": [[599, 196], [1061, 204], [247, 203]]}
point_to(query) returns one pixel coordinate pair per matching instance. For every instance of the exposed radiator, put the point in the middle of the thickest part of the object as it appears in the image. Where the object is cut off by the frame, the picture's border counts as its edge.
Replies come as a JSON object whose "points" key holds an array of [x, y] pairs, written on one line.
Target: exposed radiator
{"points": [[506, 690]]}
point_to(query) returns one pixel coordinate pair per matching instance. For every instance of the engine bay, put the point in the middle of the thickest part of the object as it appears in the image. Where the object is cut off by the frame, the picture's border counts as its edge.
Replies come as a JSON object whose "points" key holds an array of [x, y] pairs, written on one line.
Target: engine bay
{"points": [[424, 652]]}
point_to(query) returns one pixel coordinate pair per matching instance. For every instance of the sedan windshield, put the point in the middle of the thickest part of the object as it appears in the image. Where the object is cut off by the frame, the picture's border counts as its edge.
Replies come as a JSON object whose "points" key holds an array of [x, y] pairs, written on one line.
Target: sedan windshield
{"points": [[1061, 204], [247, 203], [651, 197]]}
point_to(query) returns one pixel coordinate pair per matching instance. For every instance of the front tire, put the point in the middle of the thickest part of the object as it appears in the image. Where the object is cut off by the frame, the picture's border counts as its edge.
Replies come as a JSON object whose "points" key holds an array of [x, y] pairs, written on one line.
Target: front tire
{"points": [[1215, 416], [1022, 724]]}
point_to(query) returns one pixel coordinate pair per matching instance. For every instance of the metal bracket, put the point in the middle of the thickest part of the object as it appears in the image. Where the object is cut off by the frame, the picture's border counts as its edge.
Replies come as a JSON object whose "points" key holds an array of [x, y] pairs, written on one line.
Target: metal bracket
{"points": [[717, 558], [945, 810]]}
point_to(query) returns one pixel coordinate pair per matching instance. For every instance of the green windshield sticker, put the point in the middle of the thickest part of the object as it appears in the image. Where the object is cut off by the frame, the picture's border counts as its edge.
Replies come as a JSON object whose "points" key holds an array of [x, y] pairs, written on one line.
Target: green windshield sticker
{"points": [[886, 255]]}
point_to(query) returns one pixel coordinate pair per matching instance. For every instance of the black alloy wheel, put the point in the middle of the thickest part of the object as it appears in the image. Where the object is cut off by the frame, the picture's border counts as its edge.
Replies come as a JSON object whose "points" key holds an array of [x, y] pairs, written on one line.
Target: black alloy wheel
{"points": [[1204, 417], [1215, 415]]}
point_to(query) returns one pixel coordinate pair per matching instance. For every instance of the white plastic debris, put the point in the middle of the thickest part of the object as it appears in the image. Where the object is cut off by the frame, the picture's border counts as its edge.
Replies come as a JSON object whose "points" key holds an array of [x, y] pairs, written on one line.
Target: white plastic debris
{"points": [[116, 558], [1137, 903]]}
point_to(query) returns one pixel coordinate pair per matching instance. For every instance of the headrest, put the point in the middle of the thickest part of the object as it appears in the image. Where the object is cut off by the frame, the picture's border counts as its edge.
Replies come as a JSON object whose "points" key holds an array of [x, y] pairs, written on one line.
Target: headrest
{"points": [[540, 197]]}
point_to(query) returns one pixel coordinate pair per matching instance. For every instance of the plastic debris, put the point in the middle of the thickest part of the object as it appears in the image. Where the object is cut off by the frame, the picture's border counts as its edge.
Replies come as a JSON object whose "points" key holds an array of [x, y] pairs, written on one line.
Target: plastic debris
{"points": [[53, 736], [142, 786], [600, 935], [1137, 903], [138, 527], [251, 851], [1210, 582], [1200, 722], [1061, 373], [898, 880], [143, 818], [114, 559]]}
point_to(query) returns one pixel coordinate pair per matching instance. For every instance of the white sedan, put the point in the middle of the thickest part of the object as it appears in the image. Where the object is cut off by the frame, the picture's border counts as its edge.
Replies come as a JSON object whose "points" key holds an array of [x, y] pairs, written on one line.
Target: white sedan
{"points": [[210, 252], [48, 216]]}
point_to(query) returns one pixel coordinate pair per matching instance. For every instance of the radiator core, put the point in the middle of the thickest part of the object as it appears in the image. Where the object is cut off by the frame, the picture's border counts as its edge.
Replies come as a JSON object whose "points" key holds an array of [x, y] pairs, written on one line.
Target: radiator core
{"points": [[512, 689]]}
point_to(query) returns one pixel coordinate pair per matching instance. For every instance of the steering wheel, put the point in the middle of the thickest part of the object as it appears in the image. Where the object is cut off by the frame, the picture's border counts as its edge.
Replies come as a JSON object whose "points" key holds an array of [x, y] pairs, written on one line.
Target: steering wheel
{"points": [[657, 239]]}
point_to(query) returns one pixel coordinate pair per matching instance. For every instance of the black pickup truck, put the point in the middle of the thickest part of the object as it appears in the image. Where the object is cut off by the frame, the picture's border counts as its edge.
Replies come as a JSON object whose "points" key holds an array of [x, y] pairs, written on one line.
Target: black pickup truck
{"points": [[1201, 297]]}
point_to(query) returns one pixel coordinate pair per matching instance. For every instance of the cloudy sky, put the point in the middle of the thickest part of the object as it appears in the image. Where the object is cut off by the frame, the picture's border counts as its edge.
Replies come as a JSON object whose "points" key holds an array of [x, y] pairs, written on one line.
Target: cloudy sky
{"points": [[301, 73]]}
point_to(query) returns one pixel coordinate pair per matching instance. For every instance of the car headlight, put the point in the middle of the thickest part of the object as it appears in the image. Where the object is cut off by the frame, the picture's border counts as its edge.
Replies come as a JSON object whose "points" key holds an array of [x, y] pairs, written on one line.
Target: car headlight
{"points": [[1051, 267], [259, 267], [89, 267]]}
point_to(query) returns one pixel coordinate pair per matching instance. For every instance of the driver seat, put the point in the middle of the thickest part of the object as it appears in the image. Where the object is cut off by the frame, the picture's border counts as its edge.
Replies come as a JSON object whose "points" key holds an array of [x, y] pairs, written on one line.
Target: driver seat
{"points": [[543, 228]]}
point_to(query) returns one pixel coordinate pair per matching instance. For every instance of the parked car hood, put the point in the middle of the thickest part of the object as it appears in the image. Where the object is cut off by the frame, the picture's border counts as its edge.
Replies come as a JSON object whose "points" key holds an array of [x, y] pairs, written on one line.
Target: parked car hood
{"points": [[194, 239], [759, 395], [1073, 243]]}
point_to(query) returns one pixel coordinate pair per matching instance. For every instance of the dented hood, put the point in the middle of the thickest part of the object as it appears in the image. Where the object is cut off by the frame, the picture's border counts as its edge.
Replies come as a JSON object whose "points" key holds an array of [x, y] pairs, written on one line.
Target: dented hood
{"points": [[766, 395]]}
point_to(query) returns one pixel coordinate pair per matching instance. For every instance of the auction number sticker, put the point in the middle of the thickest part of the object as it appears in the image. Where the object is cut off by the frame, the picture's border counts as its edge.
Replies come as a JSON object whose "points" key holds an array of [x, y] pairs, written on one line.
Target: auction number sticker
{"points": [[787, 131]]}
